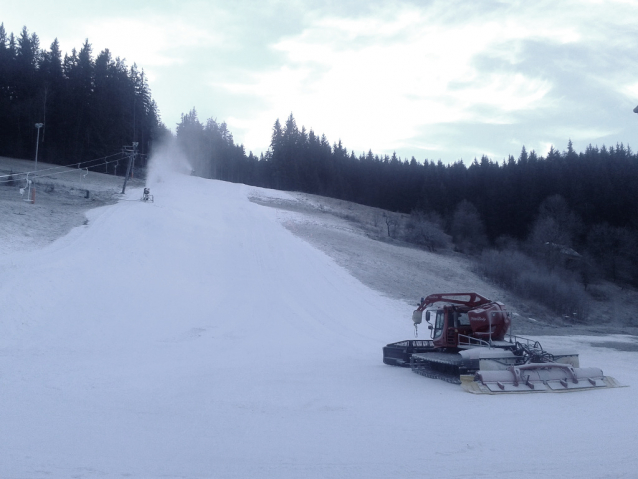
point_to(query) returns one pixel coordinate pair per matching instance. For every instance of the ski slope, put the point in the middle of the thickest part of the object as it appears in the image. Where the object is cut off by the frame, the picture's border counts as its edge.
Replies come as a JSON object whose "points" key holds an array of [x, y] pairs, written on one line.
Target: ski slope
{"points": [[196, 337]]}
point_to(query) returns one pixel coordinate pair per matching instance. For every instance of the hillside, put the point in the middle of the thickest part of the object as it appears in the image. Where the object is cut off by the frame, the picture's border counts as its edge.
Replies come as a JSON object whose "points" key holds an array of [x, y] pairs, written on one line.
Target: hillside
{"points": [[198, 337], [353, 235], [356, 239]]}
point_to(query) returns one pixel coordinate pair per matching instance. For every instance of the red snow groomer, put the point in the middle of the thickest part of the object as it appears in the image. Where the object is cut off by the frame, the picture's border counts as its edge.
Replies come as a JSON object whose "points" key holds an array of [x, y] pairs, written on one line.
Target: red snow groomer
{"points": [[470, 344]]}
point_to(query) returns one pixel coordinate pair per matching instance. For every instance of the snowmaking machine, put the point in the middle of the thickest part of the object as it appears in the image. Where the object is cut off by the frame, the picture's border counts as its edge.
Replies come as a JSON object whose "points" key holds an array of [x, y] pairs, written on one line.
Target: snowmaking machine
{"points": [[147, 196], [470, 344]]}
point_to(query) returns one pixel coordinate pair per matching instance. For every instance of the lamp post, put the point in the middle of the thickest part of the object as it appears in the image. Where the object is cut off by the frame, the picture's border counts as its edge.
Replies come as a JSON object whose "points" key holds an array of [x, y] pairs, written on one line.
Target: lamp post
{"points": [[31, 193], [37, 143]]}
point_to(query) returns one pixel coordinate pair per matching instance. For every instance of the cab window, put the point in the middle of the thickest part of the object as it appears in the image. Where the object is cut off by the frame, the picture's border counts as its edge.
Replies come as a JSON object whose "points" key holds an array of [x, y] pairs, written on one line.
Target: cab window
{"points": [[463, 319], [438, 324]]}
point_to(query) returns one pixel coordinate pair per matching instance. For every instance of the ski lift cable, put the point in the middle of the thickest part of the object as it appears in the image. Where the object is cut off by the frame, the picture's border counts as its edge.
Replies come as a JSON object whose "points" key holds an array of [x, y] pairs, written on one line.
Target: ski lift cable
{"points": [[48, 175], [50, 171], [65, 169], [77, 165], [83, 163]]}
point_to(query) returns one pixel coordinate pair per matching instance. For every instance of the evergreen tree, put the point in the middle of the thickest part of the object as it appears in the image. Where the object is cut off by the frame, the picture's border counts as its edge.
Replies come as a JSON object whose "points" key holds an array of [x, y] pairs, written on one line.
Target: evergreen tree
{"points": [[89, 107]]}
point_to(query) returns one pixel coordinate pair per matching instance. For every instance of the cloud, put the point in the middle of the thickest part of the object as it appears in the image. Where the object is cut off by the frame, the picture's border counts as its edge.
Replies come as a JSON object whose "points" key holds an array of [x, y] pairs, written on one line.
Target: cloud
{"points": [[156, 40], [380, 78], [457, 78], [383, 79]]}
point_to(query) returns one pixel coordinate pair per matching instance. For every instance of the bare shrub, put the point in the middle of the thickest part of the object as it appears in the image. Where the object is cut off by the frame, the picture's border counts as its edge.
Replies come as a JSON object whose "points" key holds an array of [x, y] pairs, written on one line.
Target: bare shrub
{"points": [[376, 218], [523, 276], [349, 217], [561, 296], [553, 233], [589, 273], [504, 267], [505, 242], [468, 232], [613, 249], [392, 224], [598, 294], [424, 230], [548, 230], [567, 224]]}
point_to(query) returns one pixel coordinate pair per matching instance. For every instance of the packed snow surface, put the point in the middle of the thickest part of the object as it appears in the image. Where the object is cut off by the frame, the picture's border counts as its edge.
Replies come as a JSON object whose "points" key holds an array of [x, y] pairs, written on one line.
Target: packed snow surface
{"points": [[197, 337]]}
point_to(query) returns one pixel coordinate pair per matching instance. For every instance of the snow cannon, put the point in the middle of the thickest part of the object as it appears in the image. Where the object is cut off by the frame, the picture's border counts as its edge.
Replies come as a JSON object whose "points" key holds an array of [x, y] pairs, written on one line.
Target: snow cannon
{"points": [[147, 196]]}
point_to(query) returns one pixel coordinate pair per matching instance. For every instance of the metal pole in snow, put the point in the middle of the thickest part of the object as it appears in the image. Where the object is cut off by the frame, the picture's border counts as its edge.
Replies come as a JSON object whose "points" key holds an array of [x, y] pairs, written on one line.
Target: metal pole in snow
{"points": [[130, 163], [37, 144]]}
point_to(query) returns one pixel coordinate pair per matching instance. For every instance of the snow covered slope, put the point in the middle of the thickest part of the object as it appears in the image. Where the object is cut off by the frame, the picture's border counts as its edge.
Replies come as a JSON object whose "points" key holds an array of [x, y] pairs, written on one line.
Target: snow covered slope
{"points": [[197, 337]]}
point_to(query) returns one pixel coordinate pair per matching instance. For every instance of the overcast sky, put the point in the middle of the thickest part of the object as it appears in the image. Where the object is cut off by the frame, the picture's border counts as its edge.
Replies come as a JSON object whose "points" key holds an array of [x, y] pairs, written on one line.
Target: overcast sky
{"points": [[434, 79]]}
